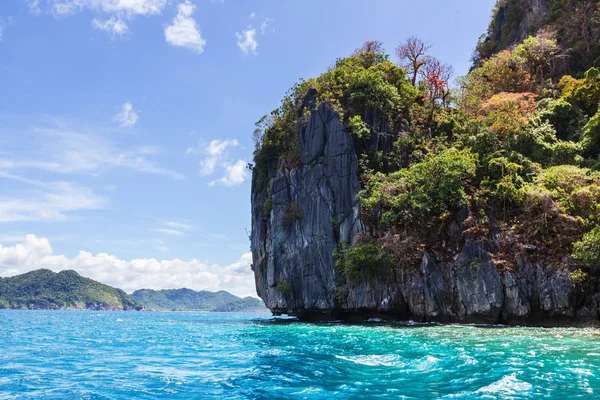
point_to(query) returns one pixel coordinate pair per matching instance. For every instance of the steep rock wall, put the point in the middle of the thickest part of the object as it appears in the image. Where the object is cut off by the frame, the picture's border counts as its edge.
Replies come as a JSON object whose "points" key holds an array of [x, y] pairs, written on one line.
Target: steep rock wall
{"points": [[315, 208]]}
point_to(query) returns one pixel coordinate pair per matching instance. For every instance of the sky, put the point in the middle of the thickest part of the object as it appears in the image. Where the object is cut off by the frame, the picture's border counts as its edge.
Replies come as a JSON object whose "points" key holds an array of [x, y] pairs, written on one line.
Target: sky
{"points": [[126, 125]]}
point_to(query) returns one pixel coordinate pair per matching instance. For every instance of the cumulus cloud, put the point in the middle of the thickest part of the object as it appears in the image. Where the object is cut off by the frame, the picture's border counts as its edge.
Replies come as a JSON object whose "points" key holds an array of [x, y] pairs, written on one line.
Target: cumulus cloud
{"points": [[216, 157], [184, 31], [114, 26], [127, 117], [235, 174], [34, 253], [246, 41], [214, 154], [49, 202]]}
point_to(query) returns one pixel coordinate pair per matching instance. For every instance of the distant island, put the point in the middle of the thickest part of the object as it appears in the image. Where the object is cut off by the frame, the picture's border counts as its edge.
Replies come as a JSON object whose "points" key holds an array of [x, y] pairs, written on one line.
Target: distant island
{"points": [[67, 290], [47, 290], [190, 300]]}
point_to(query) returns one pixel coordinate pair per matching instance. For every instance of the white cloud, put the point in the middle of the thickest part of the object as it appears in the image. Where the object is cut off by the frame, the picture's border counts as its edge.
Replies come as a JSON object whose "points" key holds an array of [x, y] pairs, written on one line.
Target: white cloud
{"points": [[216, 157], [215, 152], [178, 225], [34, 6], [127, 117], [168, 231], [118, 11], [252, 15], [114, 26], [173, 228], [184, 31], [52, 202], [265, 26], [127, 8], [235, 174], [246, 41], [5, 24], [67, 152], [34, 253]]}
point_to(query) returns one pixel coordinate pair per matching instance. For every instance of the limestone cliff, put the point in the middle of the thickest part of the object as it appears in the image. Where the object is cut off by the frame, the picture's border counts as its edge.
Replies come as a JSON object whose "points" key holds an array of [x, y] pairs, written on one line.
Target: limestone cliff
{"points": [[313, 209]]}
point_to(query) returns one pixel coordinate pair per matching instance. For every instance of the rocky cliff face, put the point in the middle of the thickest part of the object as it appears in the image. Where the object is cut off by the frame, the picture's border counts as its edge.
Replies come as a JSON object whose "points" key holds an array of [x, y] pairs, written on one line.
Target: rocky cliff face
{"points": [[529, 16], [313, 209]]}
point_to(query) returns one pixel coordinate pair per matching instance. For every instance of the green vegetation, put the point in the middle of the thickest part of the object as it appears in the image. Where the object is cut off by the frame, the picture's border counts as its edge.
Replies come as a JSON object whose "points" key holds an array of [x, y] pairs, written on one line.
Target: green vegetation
{"points": [[510, 156], [44, 289], [283, 287], [587, 250], [581, 280], [190, 300], [576, 24], [364, 259], [420, 196]]}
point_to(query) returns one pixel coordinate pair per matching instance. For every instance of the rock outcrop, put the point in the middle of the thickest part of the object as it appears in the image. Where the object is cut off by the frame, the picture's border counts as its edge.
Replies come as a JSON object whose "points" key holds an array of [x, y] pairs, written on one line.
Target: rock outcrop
{"points": [[314, 209]]}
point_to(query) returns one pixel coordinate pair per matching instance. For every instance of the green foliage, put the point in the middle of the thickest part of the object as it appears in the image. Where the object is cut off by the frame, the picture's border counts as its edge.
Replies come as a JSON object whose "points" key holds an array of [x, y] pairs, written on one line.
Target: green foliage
{"points": [[581, 280], [369, 90], [583, 93], [358, 128], [362, 260], [564, 118], [283, 287], [340, 295], [423, 194], [44, 289], [576, 191], [591, 136], [587, 250]]}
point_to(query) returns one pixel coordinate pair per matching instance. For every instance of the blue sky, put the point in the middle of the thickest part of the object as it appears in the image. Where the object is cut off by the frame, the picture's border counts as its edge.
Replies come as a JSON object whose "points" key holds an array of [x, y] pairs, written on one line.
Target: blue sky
{"points": [[125, 125]]}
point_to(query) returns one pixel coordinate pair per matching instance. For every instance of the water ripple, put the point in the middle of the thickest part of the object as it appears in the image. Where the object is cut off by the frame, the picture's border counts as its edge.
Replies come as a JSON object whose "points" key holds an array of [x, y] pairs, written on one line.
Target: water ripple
{"points": [[115, 355]]}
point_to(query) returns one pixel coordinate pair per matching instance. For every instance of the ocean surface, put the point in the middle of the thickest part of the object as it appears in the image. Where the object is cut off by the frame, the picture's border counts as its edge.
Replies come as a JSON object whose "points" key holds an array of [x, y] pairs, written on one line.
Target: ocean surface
{"points": [[142, 355]]}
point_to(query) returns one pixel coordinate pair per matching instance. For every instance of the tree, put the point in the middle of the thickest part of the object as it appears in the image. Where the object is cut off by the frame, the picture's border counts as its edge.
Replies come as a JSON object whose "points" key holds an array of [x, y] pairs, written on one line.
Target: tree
{"points": [[436, 77], [587, 250], [542, 56], [371, 53], [413, 56]]}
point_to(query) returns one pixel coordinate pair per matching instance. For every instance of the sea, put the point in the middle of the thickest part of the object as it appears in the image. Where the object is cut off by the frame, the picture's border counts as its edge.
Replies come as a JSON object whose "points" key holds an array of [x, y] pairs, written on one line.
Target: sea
{"points": [[189, 355]]}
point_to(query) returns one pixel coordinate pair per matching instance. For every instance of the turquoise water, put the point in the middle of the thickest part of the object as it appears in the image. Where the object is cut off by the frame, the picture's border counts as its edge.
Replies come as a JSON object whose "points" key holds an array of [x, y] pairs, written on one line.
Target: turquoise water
{"points": [[119, 355]]}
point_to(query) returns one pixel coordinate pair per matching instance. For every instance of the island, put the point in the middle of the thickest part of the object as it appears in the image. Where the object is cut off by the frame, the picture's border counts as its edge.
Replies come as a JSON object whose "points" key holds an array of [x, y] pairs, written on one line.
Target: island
{"points": [[65, 290], [190, 300], [380, 191]]}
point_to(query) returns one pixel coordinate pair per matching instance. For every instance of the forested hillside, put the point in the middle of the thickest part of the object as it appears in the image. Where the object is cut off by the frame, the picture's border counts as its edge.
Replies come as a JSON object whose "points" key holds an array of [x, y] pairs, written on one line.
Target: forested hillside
{"points": [[44, 289], [190, 300]]}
